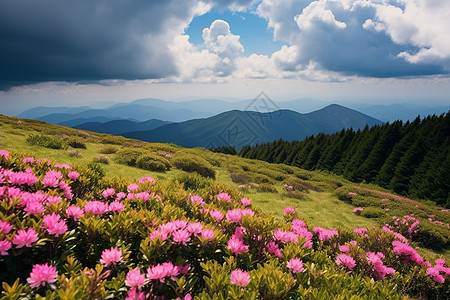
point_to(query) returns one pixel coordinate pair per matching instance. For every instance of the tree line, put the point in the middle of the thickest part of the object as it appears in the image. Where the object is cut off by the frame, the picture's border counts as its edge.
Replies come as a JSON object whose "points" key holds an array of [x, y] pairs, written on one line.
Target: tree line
{"points": [[412, 158]]}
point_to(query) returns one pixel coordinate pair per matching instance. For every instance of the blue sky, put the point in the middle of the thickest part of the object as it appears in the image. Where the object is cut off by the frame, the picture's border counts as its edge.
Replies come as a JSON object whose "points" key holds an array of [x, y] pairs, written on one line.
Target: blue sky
{"points": [[94, 51]]}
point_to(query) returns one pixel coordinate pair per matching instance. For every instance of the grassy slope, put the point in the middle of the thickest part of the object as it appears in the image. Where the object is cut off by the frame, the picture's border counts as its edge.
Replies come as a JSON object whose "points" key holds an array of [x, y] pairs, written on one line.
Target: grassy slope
{"points": [[320, 207]]}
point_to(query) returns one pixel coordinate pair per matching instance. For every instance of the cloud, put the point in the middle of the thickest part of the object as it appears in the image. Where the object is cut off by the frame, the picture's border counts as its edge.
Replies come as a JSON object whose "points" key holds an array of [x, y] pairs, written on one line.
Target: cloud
{"points": [[371, 38], [93, 40]]}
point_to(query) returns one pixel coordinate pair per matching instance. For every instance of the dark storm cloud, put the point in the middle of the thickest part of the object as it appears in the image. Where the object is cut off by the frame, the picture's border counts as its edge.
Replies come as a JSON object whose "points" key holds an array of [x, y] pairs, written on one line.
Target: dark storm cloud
{"points": [[56, 40]]}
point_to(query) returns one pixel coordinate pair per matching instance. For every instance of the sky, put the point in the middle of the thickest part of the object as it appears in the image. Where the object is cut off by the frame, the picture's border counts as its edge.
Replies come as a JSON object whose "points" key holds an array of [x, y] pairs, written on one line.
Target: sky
{"points": [[99, 52]]}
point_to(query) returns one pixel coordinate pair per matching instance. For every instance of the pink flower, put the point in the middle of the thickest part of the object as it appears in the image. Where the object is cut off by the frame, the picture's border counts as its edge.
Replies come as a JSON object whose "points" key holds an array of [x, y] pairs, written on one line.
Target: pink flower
{"points": [[4, 153], [289, 211], [135, 278], [207, 234], [111, 256], [216, 214], [344, 248], [246, 202], [158, 234], [145, 179], [21, 178], [5, 227], [224, 197], [5, 245], [144, 196], [116, 206], [407, 251], [360, 231], [54, 225], [54, 199], [133, 187], [74, 212], [295, 264], [63, 166], [387, 209], [358, 210], [239, 277], [325, 234], [96, 207], [440, 261], [51, 178], [196, 199], [354, 243], [162, 270], [29, 160], [352, 193], [25, 238], [434, 272], [237, 246], [273, 248], [41, 275], [108, 193], [73, 175], [285, 236], [346, 260], [234, 215], [34, 208], [134, 294], [181, 236], [194, 228]]}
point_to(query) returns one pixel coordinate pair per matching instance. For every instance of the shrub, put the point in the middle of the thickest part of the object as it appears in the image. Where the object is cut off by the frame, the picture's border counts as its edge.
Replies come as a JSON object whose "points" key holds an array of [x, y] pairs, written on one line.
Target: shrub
{"points": [[239, 178], [102, 159], [129, 156], [266, 188], [193, 181], [153, 162], [75, 142], [372, 212], [294, 194], [194, 164], [108, 150], [47, 141], [74, 153]]}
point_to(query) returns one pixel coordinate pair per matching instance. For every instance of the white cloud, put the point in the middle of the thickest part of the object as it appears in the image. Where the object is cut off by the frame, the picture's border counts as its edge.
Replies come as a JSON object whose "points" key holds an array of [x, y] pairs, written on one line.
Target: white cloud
{"points": [[317, 12]]}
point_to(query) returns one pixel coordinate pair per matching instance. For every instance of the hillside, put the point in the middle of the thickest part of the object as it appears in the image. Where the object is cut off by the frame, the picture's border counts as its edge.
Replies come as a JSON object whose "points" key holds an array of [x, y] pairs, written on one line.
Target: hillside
{"points": [[412, 159], [119, 126], [257, 236], [240, 128]]}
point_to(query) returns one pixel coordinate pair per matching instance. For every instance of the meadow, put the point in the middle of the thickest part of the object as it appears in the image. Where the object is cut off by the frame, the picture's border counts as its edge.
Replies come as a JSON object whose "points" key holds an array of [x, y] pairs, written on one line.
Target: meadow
{"points": [[160, 220]]}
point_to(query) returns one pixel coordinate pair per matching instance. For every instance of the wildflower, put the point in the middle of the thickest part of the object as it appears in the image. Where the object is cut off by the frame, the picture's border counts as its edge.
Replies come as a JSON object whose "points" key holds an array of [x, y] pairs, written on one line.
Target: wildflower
{"points": [[21, 178], [41, 275], [28, 160], [160, 271], [207, 234], [5, 227], [51, 178], [63, 166], [407, 251], [378, 268], [25, 238], [358, 210], [144, 196], [4, 153], [346, 260], [239, 277], [224, 197], [74, 212], [181, 236], [73, 175], [54, 225], [234, 215], [145, 179], [108, 193], [273, 248], [295, 264], [135, 278], [34, 208], [246, 202], [194, 228], [434, 272], [196, 199], [96, 207], [360, 231], [344, 248], [237, 246], [285, 236], [158, 234], [116, 206], [111, 256], [5, 245], [216, 214], [133, 187], [54, 199], [289, 211], [133, 294], [352, 193], [325, 234], [120, 196]]}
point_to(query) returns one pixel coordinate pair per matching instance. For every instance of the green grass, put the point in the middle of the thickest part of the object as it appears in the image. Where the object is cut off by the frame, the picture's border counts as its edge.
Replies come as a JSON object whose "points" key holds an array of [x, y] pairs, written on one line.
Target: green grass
{"points": [[320, 206]]}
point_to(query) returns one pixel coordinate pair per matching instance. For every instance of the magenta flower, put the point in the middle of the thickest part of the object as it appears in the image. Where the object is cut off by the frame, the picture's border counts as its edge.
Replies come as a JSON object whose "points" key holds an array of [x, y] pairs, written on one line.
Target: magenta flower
{"points": [[160, 271], [34, 208], [357, 210], [273, 248], [352, 193], [4, 153], [53, 199], [116, 206], [216, 214], [434, 272], [135, 278], [224, 197], [63, 166], [133, 187], [5, 245], [345, 260], [246, 202], [74, 212], [158, 234], [325, 234], [21, 178], [144, 196], [29, 160], [25, 238], [237, 246], [134, 294], [234, 215], [344, 248], [196, 199], [73, 175], [378, 268], [360, 231], [285, 236], [194, 228], [111, 256], [5, 227], [407, 251], [239, 277], [207, 234], [41, 275], [54, 225], [296, 265], [51, 178], [289, 211], [145, 179], [181, 236], [108, 193], [96, 207]]}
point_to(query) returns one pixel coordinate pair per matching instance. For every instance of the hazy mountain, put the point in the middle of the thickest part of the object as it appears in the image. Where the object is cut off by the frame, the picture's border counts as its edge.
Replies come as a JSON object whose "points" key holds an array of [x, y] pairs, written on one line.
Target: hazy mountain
{"points": [[39, 111], [120, 126], [402, 112], [76, 122], [239, 128]]}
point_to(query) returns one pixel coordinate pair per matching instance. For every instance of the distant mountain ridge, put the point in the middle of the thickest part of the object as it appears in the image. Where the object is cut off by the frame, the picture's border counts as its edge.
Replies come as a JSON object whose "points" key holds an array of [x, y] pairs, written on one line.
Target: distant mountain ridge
{"points": [[118, 127], [240, 128]]}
